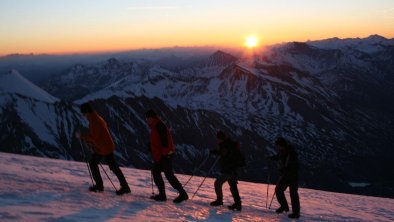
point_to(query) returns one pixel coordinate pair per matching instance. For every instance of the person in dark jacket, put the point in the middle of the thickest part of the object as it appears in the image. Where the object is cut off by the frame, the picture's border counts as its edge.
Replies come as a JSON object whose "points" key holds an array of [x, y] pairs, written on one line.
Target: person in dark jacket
{"points": [[163, 150], [289, 177], [227, 151], [104, 147]]}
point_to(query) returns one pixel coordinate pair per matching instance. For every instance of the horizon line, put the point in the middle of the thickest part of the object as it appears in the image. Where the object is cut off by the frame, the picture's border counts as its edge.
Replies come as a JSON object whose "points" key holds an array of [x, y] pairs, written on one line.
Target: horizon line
{"points": [[99, 52]]}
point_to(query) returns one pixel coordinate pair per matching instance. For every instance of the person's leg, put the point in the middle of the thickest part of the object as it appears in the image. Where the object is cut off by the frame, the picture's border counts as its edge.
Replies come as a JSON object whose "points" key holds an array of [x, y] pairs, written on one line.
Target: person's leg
{"points": [[114, 167], [280, 195], [93, 164], [295, 201], [157, 178], [169, 173], [218, 187], [234, 189]]}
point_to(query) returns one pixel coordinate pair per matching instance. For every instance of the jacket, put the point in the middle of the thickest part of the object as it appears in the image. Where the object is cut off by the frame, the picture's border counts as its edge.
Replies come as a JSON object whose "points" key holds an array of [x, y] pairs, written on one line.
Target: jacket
{"points": [[161, 142], [289, 162], [99, 135], [228, 152]]}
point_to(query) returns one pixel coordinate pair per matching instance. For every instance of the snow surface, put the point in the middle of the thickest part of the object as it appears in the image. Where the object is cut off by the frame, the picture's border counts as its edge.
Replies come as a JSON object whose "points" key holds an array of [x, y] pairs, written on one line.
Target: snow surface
{"points": [[39, 189], [13, 82]]}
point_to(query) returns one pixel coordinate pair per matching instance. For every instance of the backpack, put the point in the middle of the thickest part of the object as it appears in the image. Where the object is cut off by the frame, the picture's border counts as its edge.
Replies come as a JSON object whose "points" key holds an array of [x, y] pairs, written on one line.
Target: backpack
{"points": [[238, 156]]}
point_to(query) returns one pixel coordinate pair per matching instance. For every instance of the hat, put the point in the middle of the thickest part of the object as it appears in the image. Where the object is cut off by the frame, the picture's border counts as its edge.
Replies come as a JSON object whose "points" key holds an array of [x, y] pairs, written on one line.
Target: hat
{"points": [[86, 108], [280, 141], [150, 113]]}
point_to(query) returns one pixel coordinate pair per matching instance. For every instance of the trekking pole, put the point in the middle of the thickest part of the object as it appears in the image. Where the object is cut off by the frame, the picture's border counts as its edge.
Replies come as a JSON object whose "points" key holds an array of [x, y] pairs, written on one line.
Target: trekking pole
{"points": [[272, 199], [151, 182], [107, 176], [90, 172], [195, 170], [205, 177], [86, 161], [268, 186]]}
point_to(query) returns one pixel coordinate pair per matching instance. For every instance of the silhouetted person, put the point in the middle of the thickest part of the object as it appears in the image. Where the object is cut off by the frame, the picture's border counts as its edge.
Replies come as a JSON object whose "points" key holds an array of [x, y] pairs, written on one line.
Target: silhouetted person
{"points": [[230, 155], [104, 147], [163, 150], [289, 177]]}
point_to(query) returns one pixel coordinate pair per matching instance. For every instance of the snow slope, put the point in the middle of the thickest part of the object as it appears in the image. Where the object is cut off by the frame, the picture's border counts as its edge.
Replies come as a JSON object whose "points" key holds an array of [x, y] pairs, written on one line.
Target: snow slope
{"points": [[39, 189], [13, 82]]}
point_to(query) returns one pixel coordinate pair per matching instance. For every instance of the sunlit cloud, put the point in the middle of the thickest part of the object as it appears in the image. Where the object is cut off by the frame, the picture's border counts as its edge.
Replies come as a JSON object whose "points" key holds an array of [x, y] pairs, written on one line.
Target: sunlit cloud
{"points": [[151, 8]]}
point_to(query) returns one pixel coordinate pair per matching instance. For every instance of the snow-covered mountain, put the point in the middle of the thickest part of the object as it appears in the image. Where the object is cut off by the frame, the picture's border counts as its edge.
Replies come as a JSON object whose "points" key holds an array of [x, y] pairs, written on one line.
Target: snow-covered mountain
{"points": [[37, 189], [14, 83], [331, 102], [46, 128], [369, 45], [80, 79]]}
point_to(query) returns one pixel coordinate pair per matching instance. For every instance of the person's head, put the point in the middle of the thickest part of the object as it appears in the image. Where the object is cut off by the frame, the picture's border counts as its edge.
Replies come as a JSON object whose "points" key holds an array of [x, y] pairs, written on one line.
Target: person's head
{"points": [[281, 144], [86, 109], [150, 115], [220, 136]]}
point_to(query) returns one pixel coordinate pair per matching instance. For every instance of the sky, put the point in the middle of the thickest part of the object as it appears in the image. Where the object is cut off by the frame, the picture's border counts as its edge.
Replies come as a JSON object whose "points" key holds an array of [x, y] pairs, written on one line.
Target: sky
{"points": [[79, 26]]}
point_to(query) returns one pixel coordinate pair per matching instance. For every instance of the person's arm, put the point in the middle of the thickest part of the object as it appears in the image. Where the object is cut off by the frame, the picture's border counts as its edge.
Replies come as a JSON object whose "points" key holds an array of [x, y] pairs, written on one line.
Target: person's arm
{"points": [[163, 134], [93, 134], [155, 145], [219, 150], [291, 165]]}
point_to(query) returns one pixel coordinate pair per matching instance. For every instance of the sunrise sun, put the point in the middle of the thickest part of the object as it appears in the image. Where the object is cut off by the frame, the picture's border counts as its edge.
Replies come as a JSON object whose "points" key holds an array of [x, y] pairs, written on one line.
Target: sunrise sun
{"points": [[251, 41]]}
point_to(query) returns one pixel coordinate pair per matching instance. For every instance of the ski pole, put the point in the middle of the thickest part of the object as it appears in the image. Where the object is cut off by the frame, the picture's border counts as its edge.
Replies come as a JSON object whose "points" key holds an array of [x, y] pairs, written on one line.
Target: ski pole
{"points": [[272, 199], [86, 161], [205, 177], [107, 176], [195, 170], [90, 172], [151, 182], [268, 186]]}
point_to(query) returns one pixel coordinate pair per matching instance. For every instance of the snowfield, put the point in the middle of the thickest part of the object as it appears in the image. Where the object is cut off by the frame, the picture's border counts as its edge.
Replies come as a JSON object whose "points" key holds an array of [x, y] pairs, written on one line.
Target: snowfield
{"points": [[40, 189]]}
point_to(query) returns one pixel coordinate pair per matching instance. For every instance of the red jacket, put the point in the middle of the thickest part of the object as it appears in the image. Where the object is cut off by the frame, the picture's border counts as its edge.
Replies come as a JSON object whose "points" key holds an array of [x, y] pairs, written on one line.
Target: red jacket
{"points": [[99, 135], [161, 142]]}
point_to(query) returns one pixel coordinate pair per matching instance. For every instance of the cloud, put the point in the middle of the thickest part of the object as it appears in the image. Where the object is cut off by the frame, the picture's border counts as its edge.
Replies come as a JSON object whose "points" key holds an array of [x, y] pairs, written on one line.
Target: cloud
{"points": [[151, 8]]}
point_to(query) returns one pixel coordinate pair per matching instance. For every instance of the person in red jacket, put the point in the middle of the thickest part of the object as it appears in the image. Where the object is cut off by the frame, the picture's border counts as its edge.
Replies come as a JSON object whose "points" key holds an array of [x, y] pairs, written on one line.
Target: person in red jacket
{"points": [[104, 146], [162, 149]]}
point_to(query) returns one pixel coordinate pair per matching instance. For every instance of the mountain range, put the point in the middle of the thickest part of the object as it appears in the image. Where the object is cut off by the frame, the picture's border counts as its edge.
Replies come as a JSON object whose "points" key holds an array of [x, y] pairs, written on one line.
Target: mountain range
{"points": [[331, 98]]}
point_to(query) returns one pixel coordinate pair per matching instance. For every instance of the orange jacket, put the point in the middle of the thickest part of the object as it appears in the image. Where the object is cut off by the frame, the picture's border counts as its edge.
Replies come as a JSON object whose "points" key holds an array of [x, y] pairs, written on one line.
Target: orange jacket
{"points": [[161, 142], [99, 135]]}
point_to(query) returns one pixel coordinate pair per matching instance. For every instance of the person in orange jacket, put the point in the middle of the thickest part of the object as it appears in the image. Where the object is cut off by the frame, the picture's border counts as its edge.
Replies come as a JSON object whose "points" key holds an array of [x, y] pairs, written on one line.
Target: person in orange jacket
{"points": [[162, 149], [104, 146]]}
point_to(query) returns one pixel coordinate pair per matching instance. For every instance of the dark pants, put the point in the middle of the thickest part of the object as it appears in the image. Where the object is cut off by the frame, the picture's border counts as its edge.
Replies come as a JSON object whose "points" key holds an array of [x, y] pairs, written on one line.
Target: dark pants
{"points": [[231, 178], [113, 166], [165, 165], [292, 183]]}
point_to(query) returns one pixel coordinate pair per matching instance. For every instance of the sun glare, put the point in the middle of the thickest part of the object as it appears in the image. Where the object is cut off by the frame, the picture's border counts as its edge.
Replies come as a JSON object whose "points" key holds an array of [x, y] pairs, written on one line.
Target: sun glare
{"points": [[251, 41]]}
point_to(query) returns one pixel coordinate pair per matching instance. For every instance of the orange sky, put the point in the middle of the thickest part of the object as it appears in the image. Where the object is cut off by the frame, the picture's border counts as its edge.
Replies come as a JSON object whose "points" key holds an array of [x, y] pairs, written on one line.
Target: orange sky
{"points": [[46, 26]]}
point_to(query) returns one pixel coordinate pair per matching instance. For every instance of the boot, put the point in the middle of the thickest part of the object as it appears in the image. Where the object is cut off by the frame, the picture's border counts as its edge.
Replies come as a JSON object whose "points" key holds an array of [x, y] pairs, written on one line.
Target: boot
{"points": [[96, 188], [182, 197], [216, 203], [159, 197], [294, 215], [123, 190], [282, 209], [235, 206]]}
